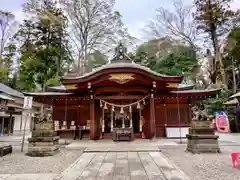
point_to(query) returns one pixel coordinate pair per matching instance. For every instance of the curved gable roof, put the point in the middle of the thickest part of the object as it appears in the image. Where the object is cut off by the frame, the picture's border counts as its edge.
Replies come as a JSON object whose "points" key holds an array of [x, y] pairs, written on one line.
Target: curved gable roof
{"points": [[122, 62], [121, 65], [7, 90]]}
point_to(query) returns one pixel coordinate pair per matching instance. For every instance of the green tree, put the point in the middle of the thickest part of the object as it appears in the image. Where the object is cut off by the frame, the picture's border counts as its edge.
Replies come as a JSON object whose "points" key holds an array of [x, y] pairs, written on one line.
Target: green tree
{"points": [[7, 70], [212, 17], [167, 56], [181, 61], [232, 59], [233, 46], [147, 53], [217, 104], [44, 55]]}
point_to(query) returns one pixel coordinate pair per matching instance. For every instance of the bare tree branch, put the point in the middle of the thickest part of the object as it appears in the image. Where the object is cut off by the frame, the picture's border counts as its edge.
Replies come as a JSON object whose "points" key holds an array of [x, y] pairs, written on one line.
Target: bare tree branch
{"points": [[7, 25], [93, 25], [177, 23]]}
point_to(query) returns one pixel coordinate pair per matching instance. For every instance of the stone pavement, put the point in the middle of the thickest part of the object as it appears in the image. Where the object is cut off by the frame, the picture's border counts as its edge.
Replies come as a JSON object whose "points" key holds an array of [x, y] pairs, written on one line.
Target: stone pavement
{"points": [[27, 176], [232, 137], [122, 166], [140, 161], [11, 138], [107, 145]]}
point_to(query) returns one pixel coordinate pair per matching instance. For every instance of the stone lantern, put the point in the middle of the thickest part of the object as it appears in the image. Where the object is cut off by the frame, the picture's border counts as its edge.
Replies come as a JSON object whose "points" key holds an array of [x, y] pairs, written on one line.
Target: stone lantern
{"points": [[44, 140], [201, 137]]}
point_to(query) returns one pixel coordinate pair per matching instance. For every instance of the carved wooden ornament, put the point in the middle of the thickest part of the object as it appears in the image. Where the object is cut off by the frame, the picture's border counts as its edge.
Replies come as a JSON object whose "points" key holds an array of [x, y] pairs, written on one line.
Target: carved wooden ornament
{"points": [[71, 87], [172, 85], [121, 78]]}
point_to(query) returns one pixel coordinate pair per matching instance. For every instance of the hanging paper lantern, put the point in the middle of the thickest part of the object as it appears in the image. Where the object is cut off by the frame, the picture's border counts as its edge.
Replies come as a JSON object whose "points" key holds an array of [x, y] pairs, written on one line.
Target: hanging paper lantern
{"points": [[105, 106], [138, 105], [144, 102], [122, 111], [130, 108], [112, 108]]}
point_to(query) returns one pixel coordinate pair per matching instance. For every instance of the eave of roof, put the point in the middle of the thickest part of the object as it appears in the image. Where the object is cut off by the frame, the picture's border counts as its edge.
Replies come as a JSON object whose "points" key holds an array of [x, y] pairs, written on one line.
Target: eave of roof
{"points": [[7, 90], [232, 102], [6, 97], [46, 94], [57, 88], [206, 92], [235, 95], [61, 88], [185, 87]]}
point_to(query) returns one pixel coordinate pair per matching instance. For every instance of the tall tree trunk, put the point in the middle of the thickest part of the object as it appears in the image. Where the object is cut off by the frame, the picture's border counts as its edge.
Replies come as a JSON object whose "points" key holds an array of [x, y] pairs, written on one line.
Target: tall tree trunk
{"points": [[220, 71], [85, 66], [2, 43], [218, 61], [234, 77]]}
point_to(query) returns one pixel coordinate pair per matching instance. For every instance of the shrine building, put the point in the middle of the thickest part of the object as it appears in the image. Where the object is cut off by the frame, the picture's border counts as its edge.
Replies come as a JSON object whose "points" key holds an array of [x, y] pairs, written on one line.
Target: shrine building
{"points": [[122, 97]]}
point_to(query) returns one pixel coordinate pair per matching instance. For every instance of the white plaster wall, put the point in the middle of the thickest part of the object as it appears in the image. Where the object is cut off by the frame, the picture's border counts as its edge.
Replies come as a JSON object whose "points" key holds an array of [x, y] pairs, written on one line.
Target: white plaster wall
{"points": [[177, 132], [17, 120]]}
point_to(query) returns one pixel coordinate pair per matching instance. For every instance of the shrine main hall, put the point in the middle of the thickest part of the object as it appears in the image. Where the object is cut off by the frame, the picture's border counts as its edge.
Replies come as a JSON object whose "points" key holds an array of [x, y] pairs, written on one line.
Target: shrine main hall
{"points": [[124, 98]]}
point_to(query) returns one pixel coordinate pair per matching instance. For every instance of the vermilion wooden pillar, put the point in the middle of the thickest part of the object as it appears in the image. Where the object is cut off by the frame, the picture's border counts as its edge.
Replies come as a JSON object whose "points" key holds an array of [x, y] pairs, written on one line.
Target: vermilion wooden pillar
{"points": [[152, 116], [92, 120]]}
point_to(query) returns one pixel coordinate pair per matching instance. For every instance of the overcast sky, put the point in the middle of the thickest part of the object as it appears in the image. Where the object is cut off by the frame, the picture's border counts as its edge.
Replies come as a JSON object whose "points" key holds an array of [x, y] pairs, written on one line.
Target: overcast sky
{"points": [[136, 13]]}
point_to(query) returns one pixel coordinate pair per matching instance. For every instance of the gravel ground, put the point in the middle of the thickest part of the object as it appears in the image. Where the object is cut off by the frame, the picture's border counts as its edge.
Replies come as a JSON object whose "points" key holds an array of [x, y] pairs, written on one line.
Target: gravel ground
{"points": [[205, 166], [18, 162]]}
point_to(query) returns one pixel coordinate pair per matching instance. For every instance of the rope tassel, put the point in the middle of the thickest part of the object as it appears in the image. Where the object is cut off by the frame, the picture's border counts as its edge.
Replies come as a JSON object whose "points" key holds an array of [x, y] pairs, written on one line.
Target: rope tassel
{"points": [[144, 103], [105, 106], [130, 108], [122, 111], [138, 105]]}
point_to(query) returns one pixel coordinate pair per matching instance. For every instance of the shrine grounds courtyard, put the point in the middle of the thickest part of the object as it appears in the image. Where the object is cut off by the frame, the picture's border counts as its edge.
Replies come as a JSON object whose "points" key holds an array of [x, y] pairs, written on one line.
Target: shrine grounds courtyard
{"points": [[160, 159]]}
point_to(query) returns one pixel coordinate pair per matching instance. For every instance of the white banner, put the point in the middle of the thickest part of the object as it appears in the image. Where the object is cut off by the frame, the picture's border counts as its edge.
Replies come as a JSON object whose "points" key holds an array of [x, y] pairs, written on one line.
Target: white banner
{"points": [[28, 100]]}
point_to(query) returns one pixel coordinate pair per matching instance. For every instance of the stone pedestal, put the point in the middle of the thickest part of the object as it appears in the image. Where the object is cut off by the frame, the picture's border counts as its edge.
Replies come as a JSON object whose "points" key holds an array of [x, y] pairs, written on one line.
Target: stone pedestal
{"points": [[5, 149], [202, 138], [44, 140]]}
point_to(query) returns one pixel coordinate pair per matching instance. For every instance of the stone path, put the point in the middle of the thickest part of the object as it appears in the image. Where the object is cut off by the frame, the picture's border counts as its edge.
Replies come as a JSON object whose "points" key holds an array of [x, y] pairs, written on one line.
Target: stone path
{"points": [[140, 161], [27, 176], [231, 137], [107, 145], [122, 166], [122, 149]]}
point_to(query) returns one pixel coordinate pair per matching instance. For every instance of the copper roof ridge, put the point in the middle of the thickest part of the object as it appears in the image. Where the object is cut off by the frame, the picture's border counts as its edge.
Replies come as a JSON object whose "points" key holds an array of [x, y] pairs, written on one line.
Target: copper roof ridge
{"points": [[120, 65]]}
